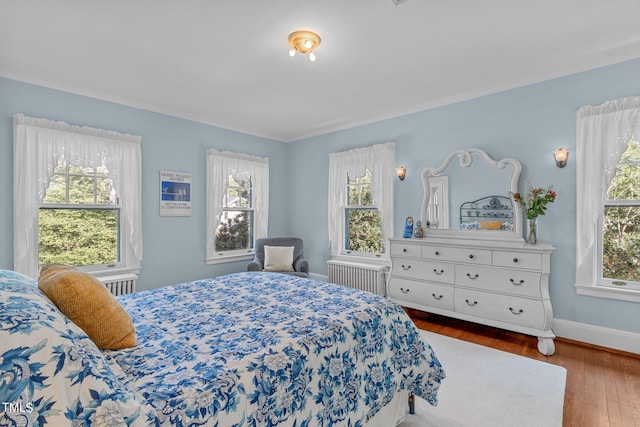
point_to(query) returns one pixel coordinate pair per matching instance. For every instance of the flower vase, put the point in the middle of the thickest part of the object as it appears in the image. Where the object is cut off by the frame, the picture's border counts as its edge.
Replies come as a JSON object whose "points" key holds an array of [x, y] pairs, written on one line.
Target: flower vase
{"points": [[532, 231]]}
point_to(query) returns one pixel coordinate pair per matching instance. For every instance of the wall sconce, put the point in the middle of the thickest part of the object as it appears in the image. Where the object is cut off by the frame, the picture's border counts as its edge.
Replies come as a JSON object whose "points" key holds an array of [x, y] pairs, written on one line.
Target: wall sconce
{"points": [[401, 172], [561, 155]]}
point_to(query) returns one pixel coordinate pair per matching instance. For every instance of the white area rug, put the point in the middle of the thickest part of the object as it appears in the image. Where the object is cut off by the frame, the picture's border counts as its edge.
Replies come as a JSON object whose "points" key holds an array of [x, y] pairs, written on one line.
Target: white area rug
{"points": [[487, 387]]}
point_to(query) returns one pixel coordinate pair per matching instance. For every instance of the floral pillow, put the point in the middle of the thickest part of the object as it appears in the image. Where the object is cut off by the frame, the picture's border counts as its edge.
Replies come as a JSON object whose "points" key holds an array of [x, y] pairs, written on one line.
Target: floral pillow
{"points": [[52, 373]]}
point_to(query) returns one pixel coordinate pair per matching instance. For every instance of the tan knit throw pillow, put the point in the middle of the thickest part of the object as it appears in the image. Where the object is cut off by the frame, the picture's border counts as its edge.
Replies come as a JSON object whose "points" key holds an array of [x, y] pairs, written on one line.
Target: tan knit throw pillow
{"points": [[88, 303]]}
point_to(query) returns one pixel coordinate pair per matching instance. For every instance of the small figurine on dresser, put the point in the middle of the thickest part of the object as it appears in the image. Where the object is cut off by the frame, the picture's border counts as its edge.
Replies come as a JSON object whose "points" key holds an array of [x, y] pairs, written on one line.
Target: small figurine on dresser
{"points": [[408, 227], [419, 231]]}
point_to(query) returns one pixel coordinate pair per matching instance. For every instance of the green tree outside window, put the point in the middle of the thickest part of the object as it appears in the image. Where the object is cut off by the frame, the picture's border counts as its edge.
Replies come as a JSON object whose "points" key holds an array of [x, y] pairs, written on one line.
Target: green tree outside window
{"points": [[79, 218], [235, 230], [621, 225], [364, 225]]}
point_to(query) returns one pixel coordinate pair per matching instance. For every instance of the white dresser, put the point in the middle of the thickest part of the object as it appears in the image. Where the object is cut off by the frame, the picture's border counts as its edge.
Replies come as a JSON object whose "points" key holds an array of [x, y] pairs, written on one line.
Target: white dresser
{"points": [[503, 284]]}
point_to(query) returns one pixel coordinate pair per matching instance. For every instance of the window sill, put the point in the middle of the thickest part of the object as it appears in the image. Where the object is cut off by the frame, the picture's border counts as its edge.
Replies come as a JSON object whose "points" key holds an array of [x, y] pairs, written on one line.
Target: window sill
{"points": [[109, 272], [229, 258], [622, 294], [375, 260]]}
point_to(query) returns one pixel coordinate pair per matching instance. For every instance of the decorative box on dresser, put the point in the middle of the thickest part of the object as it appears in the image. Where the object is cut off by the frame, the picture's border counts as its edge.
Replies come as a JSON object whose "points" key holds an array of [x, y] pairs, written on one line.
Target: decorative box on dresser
{"points": [[504, 284]]}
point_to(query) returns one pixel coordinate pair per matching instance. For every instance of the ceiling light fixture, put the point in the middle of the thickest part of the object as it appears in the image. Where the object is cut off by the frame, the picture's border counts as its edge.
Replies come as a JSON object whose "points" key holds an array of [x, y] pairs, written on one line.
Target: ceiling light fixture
{"points": [[304, 42]]}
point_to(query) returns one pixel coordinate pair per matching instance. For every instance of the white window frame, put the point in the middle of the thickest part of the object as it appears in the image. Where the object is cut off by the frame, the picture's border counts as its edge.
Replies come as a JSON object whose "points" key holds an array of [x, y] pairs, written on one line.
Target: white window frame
{"points": [[602, 136], [349, 207], [221, 165], [38, 143], [68, 204], [379, 159], [628, 285]]}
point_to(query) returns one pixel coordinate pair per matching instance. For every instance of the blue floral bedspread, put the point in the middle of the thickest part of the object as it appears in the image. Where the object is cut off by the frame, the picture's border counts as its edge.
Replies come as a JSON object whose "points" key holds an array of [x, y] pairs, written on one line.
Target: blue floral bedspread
{"points": [[51, 373], [247, 349], [262, 349]]}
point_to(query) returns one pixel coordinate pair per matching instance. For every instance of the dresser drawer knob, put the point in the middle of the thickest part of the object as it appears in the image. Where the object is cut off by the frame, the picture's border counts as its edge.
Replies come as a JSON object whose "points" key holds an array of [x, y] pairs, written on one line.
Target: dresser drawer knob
{"points": [[474, 277], [406, 267], [471, 304], [437, 253], [438, 272], [438, 297], [515, 260], [404, 250], [471, 256], [513, 282], [404, 291], [516, 312]]}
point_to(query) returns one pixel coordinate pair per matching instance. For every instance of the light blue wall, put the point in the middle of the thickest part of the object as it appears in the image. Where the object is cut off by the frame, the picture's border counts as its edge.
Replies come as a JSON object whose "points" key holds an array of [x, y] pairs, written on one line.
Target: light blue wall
{"points": [[173, 246], [527, 123]]}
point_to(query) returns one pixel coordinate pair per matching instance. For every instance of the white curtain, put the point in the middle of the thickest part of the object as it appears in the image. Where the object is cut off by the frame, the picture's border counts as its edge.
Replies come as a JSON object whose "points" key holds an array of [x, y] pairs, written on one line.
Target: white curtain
{"points": [[380, 160], [221, 164], [602, 137], [38, 144]]}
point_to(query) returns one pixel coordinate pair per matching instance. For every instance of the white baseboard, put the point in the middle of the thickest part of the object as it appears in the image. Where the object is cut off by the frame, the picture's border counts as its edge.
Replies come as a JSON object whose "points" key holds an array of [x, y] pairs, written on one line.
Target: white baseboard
{"points": [[597, 335], [583, 332]]}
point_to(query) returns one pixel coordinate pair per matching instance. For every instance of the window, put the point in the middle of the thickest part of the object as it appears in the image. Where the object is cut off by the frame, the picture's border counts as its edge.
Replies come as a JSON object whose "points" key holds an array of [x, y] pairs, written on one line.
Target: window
{"points": [[619, 232], [360, 200], [363, 225], [79, 217], [237, 204], [608, 200], [77, 198], [235, 229]]}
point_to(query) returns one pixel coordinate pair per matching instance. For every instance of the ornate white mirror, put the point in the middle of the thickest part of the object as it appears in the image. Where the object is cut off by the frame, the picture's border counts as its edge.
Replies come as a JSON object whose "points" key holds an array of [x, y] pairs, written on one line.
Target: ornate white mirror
{"points": [[469, 196]]}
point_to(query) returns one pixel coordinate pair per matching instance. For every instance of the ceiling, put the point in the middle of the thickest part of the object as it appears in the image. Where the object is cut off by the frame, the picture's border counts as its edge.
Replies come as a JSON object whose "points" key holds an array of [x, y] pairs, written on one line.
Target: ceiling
{"points": [[226, 62]]}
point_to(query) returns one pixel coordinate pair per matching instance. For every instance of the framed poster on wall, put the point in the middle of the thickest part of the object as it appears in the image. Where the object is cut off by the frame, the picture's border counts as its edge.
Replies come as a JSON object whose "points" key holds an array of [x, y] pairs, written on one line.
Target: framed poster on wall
{"points": [[175, 193]]}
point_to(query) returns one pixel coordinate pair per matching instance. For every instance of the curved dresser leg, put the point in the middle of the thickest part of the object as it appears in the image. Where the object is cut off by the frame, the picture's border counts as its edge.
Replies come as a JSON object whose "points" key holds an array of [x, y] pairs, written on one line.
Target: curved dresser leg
{"points": [[412, 403], [546, 346]]}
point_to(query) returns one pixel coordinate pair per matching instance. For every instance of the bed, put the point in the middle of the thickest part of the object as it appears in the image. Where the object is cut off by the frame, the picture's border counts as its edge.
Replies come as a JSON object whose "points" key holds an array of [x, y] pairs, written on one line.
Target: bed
{"points": [[245, 349]]}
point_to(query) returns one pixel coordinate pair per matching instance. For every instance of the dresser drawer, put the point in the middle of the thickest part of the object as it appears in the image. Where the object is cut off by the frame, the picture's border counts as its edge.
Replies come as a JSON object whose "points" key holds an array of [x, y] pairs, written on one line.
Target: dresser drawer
{"points": [[467, 255], [504, 308], [516, 282], [422, 269], [517, 259], [400, 249], [429, 294]]}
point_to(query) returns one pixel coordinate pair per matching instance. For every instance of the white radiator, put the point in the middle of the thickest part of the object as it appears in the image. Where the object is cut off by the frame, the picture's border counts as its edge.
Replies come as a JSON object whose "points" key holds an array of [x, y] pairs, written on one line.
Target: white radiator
{"points": [[120, 284], [366, 277]]}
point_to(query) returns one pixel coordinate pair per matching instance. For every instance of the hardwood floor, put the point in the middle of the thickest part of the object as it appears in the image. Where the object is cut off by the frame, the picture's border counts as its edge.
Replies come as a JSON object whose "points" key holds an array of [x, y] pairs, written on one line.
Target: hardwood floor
{"points": [[603, 385]]}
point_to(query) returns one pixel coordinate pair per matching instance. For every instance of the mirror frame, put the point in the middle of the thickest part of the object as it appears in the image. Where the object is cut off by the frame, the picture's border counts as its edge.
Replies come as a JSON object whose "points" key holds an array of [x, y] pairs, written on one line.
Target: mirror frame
{"points": [[465, 158]]}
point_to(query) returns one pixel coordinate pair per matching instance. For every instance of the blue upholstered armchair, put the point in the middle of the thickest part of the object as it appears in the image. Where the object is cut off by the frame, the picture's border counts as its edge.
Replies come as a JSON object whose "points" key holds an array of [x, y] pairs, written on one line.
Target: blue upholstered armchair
{"points": [[291, 263]]}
